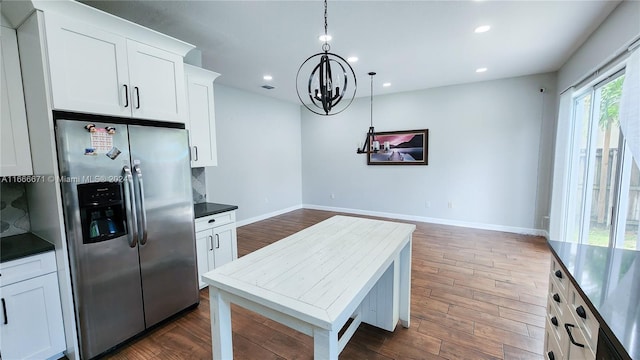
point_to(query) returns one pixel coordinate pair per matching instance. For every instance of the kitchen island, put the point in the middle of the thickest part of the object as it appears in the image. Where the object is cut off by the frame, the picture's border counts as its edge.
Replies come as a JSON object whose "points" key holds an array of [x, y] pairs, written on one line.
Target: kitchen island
{"points": [[318, 279]]}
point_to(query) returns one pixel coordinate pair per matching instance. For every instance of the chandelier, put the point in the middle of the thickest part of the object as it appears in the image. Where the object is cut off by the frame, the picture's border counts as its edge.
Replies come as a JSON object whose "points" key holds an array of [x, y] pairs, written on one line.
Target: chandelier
{"points": [[331, 85]]}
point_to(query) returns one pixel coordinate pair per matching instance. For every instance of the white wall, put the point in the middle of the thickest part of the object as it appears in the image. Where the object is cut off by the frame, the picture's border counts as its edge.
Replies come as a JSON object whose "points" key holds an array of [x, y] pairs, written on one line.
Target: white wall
{"points": [[615, 34], [258, 141], [485, 150]]}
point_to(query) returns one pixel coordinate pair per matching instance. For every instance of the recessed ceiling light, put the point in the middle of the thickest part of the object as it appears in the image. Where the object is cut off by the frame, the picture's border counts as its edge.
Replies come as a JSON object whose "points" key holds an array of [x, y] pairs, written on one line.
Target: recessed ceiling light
{"points": [[352, 59], [483, 28], [268, 77], [481, 70], [325, 38], [386, 84]]}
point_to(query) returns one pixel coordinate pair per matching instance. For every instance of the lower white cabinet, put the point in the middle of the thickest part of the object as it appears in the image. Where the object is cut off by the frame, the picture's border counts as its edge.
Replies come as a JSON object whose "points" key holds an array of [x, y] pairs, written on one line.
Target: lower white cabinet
{"points": [[216, 242], [571, 331], [31, 324]]}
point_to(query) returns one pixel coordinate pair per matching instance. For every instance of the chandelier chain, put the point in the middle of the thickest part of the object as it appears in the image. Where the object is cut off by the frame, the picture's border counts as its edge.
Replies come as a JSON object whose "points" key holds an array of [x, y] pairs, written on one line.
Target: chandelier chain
{"points": [[325, 19], [371, 100]]}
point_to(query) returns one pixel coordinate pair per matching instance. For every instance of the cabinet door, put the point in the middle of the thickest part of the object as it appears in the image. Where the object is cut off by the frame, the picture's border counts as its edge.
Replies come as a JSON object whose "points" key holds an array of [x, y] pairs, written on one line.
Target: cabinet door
{"points": [[14, 136], [202, 121], [203, 248], [88, 68], [157, 81], [224, 247], [32, 327]]}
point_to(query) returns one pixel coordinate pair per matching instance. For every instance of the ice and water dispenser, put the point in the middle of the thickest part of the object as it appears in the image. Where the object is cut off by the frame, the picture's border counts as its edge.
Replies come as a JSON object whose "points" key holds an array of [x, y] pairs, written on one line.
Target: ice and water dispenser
{"points": [[102, 211]]}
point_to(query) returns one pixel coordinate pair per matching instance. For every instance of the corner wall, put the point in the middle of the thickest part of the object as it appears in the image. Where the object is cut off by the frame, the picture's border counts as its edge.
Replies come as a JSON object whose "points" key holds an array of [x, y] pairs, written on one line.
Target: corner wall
{"points": [[258, 141], [490, 148]]}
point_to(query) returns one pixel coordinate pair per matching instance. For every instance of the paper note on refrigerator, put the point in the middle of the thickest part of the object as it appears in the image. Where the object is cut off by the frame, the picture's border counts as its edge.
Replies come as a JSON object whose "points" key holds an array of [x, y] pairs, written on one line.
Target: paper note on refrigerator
{"points": [[101, 140]]}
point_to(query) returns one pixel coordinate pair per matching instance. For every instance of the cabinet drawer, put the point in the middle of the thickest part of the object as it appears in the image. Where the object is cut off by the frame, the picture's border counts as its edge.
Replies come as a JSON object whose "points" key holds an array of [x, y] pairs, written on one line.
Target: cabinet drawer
{"points": [[580, 352], [558, 275], [557, 298], [583, 318], [552, 349], [555, 321], [215, 220], [27, 268]]}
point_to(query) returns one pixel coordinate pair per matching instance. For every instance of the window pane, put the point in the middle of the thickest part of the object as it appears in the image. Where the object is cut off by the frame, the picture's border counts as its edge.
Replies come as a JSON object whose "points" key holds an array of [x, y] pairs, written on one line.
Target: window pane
{"points": [[603, 189], [582, 116], [604, 163]]}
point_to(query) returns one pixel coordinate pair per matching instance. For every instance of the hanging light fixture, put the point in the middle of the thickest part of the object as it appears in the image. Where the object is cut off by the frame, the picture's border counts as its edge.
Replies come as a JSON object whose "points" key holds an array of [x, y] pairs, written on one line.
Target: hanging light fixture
{"points": [[331, 85], [370, 144]]}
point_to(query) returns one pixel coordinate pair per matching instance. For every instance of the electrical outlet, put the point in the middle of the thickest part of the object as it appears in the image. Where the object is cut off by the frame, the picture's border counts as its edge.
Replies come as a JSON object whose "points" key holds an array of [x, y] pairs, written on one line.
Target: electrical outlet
{"points": [[332, 196], [450, 204]]}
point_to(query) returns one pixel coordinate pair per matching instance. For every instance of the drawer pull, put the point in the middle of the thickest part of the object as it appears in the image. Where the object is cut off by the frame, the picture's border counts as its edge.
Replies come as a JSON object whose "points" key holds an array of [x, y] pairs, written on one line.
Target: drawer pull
{"points": [[556, 297], [551, 356], [554, 321], [4, 312], [580, 311], [212, 221], [558, 274], [567, 326]]}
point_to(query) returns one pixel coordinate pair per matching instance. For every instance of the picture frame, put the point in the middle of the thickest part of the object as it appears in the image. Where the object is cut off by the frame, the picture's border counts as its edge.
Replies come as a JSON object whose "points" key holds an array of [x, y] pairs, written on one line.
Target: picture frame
{"points": [[405, 147]]}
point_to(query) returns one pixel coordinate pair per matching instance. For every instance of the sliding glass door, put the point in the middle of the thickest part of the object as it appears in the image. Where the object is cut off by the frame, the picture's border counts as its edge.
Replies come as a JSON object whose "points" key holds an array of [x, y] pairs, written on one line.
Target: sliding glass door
{"points": [[603, 204]]}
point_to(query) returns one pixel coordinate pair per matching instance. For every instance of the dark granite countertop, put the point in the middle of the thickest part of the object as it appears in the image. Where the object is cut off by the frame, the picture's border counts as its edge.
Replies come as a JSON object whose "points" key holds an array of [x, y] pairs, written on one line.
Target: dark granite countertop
{"points": [[206, 209], [22, 245], [609, 279]]}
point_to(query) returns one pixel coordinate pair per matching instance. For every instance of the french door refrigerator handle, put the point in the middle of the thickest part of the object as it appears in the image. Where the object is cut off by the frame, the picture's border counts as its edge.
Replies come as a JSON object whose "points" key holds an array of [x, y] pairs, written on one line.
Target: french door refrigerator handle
{"points": [[143, 210], [130, 207]]}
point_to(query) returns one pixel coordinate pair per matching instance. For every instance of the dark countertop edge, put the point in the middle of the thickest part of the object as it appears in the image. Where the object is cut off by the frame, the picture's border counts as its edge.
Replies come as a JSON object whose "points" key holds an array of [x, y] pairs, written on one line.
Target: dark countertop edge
{"points": [[206, 209], [603, 324], [22, 245]]}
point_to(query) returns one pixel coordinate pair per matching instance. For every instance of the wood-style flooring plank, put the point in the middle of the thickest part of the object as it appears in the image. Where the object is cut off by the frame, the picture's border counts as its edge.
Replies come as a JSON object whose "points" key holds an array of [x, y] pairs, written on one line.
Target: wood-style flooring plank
{"points": [[476, 294]]}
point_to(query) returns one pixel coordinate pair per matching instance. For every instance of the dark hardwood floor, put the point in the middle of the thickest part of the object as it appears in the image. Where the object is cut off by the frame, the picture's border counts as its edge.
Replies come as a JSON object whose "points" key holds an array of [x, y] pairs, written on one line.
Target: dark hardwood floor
{"points": [[476, 294]]}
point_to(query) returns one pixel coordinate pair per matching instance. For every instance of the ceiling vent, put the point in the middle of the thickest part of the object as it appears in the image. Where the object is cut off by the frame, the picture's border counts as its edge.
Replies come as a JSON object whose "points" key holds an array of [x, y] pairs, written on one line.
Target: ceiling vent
{"points": [[268, 87]]}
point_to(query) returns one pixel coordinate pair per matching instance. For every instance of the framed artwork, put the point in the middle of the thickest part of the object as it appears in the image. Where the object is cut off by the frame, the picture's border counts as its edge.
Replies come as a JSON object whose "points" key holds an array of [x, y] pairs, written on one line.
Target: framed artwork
{"points": [[407, 147]]}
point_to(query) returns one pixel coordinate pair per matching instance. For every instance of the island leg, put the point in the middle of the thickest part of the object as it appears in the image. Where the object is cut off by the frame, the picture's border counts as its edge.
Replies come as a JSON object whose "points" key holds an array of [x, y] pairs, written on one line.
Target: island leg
{"points": [[221, 341], [325, 344], [405, 284]]}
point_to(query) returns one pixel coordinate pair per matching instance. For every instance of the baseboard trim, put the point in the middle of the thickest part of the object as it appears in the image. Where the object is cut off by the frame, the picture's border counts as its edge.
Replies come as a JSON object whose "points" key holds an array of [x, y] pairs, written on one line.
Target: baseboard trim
{"points": [[511, 229], [267, 215]]}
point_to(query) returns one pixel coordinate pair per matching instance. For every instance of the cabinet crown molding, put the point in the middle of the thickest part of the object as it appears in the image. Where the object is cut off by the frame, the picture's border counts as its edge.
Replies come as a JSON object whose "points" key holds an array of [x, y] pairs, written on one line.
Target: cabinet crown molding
{"points": [[17, 11]]}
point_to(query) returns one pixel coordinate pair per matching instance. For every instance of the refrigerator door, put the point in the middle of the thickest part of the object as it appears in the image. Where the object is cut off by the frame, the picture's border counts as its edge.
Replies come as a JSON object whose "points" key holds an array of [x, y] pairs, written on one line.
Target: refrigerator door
{"points": [[105, 274], [162, 175]]}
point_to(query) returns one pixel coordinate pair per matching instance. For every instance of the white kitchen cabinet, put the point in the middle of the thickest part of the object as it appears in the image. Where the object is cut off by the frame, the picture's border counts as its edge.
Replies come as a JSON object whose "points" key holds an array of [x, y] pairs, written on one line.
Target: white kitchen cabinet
{"points": [[216, 242], [201, 120], [571, 330], [31, 326], [96, 70], [14, 141]]}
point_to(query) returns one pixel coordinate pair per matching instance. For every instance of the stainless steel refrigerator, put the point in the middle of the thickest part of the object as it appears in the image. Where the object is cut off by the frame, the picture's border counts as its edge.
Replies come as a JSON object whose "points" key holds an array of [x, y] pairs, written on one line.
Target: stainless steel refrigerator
{"points": [[128, 213]]}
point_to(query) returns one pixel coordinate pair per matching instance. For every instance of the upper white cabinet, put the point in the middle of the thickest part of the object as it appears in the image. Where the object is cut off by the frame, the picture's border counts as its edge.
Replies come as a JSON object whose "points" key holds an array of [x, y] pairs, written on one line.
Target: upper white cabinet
{"points": [[14, 136], [96, 70], [201, 121]]}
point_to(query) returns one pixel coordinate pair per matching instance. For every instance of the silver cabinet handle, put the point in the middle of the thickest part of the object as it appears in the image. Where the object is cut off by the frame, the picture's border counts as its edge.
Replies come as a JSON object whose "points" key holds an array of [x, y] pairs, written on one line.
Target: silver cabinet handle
{"points": [[126, 95], [210, 242], [143, 210], [217, 241], [137, 97], [195, 148], [132, 219]]}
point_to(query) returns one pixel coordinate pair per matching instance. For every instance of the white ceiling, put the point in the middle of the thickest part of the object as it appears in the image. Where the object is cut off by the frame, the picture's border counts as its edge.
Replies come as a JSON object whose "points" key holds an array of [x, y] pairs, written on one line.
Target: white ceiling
{"points": [[411, 44]]}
